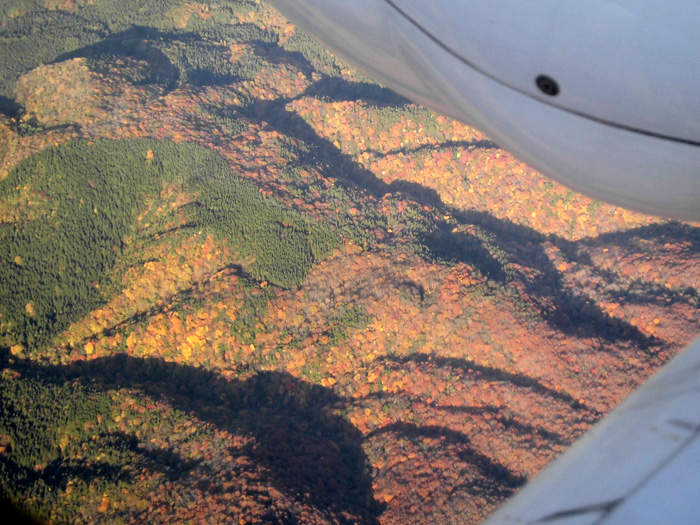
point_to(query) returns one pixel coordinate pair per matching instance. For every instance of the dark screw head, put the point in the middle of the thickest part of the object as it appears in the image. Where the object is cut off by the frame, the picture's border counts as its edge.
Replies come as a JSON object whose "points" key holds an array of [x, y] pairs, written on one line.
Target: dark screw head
{"points": [[547, 85]]}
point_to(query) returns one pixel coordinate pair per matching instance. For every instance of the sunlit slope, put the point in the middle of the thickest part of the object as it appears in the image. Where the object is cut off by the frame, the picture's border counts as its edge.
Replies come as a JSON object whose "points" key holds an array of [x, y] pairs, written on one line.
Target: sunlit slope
{"points": [[287, 294], [73, 210]]}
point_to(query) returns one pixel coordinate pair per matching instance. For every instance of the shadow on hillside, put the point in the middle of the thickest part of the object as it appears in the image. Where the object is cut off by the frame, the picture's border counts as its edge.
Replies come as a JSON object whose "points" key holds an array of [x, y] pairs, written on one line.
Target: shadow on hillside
{"points": [[570, 312], [495, 481], [26, 126], [311, 454], [463, 247], [10, 107], [334, 89], [276, 54], [335, 164], [574, 314], [327, 88], [644, 293], [133, 43], [174, 57], [679, 241], [488, 374], [499, 413], [463, 144], [660, 233]]}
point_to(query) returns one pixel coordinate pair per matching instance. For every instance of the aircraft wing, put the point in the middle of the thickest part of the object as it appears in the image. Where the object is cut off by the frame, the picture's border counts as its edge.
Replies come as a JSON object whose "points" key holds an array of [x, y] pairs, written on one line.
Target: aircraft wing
{"points": [[639, 465], [599, 95]]}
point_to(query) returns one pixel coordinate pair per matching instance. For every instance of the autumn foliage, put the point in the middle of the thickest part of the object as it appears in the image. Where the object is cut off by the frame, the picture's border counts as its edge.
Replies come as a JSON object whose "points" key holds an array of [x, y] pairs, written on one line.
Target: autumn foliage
{"points": [[299, 298]]}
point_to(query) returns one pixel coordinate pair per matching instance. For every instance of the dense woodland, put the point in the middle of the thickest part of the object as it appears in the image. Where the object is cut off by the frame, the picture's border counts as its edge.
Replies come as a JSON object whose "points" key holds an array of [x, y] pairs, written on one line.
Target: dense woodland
{"points": [[241, 282], [59, 250]]}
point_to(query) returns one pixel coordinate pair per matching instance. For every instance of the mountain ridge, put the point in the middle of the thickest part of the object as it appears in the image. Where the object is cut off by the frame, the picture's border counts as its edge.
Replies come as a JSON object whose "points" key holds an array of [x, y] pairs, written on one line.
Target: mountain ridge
{"points": [[468, 322]]}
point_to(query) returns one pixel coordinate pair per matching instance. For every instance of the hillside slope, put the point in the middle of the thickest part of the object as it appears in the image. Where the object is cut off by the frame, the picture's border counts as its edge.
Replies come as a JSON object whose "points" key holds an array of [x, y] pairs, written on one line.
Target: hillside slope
{"points": [[243, 283]]}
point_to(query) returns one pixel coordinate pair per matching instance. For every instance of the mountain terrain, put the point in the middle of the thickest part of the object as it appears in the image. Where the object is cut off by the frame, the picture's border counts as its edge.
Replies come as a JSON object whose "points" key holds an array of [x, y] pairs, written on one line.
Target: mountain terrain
{"points": [[240, 282]]}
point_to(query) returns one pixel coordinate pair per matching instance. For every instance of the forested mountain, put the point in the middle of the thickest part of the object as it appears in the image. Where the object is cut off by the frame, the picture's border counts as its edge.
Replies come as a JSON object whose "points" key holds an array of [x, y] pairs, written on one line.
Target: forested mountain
{"points": [[240, 282]]}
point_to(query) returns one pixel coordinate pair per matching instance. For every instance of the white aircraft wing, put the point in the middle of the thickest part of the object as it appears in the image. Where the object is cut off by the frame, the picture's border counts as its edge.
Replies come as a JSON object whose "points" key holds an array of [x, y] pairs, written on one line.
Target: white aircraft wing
{"points": [[639, 465], [597, 94]]}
